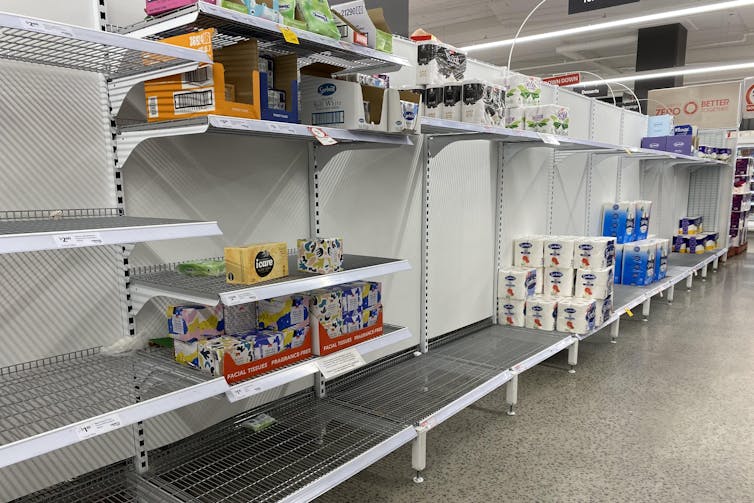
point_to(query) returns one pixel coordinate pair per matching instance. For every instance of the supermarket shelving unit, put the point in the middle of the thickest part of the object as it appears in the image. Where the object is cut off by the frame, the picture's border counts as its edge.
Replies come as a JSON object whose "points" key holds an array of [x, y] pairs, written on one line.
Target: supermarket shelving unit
{"points": [[482, 185]]}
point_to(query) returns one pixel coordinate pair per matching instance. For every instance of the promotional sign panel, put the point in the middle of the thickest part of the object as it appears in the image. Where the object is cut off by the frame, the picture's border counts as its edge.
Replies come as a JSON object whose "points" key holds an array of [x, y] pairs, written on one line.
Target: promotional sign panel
{"points": [[712, 106], [577, 6], [748, 101], [567, 79]]}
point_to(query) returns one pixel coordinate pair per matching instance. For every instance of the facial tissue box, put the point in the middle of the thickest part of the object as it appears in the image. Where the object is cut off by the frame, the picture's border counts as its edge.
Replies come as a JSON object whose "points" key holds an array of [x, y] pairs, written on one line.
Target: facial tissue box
{"points": [[528, 251], [603, 310], [255, 263], [515, 118], [541, 312], [683, 145], [326, 303], [212, 353], [618, 263], [639, 263], [559, 282], [352, 321], [191, 322], [523, 91], [691, 225], [322, 256], [643, 214], [661, 260], [516, 283], [594, 253], [511, 312], [655, 142], [618, 221], [660, 125], [351, 299], [187, 352], [559, 251], [371, 293], [594, 284], [371, 316], [576, 316], [283, 312]]}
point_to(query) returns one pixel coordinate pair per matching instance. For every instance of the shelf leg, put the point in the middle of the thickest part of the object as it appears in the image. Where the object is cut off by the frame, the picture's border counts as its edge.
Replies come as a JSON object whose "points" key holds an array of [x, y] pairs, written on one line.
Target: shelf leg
{"points": [[419, 454], [715, 264], [671, 294], [704, 272], [511, 395], [689, 282], [645, 309], [615, 331], [573, 357]]}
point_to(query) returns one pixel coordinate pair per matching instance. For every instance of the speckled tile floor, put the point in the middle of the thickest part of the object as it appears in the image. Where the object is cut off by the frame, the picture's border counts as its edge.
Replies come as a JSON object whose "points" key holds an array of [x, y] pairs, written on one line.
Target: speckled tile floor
{"points": [[667, 414]]}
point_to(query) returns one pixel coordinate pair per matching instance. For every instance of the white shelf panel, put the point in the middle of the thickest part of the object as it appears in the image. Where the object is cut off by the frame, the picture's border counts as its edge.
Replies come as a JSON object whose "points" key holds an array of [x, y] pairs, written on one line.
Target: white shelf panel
{"points": [[233, 27], [36, 235], [211, 291], [44, 42]]}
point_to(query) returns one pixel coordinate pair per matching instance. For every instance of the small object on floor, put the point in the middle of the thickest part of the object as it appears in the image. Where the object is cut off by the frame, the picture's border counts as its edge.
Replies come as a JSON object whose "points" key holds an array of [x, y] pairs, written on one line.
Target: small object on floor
{"points": [[259, 423]]}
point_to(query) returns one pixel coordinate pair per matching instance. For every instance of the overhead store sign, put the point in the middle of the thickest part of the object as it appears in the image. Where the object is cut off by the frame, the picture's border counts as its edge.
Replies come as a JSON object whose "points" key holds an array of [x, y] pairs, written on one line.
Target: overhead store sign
{"points": [[748, 99], [708, 106], [592, 91], [567, 79], [578, 6]]}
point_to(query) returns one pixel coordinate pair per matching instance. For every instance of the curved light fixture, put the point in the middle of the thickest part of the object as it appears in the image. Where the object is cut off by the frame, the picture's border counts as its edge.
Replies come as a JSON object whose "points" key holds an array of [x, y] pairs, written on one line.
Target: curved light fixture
{"points": [[649, 18]]}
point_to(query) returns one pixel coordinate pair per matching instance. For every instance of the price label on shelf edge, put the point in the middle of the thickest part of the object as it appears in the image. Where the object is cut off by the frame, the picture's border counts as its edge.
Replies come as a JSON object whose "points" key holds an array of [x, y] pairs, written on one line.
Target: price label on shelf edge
{"points": [[98, 426], [289, 35], [549, 139], [78, 240], [322, 136]]}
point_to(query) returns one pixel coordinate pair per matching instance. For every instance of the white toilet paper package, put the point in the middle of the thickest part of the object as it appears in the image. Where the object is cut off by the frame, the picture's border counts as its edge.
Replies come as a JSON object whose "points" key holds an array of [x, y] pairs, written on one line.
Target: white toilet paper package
{"points": [[576, 316], [594, 252], [559, 251], [528, 251], [541, 312], [559, 282], [517, 283], [511, 312], [619, 221], [594, 284]]}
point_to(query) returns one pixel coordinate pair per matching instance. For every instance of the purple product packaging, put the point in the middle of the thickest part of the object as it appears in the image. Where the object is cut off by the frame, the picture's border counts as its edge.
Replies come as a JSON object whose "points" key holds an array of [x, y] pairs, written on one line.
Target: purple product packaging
{"points": [[655, 142], [680, 145]]}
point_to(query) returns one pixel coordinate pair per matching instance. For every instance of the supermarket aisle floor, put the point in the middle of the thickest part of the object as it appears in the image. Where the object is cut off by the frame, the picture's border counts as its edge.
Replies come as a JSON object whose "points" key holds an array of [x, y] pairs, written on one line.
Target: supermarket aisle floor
{"points": [[667, 414]]}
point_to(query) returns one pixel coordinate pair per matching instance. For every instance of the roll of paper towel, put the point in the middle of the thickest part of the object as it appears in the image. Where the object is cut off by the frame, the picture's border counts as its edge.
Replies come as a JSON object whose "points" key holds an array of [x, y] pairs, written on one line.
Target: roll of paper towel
{"points": [[541, 312]]}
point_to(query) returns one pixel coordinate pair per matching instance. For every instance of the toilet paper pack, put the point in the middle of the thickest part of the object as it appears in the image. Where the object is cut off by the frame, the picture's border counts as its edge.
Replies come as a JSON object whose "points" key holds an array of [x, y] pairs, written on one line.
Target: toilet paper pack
{"points": [[618, 263], [618, 221], [515, 118], [528, 251], [547, 119], [594, 284], [576, 316], [523, 91], [661, 260], [559, 251], [559, 282], [540, 282], [603, 310], [643, 214], [639, 263], [594, 252], [691, 226], [516, 283], [511, 312], [435, 103], [453, 102], [541, 312]]}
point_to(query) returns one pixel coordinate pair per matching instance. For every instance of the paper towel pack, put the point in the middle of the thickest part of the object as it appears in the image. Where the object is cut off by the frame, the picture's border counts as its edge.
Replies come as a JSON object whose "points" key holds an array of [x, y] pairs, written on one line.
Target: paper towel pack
{"points": [[576, 316], [618, 263], [516, 283], [559, 251], [639, 263], [541, 312], [594, 253], [618, 221], [511, 312], [643, 214], [594, 284], [661, 261], [528, 251], [559, 282]]}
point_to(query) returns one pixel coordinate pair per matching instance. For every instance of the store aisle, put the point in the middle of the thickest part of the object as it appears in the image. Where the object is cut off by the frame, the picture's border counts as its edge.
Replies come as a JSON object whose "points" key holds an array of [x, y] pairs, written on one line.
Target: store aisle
{"points": [[667, 414]]}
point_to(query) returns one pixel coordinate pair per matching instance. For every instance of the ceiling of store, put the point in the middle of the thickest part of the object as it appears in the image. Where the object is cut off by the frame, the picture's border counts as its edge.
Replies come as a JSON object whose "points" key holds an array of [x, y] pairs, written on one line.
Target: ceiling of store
{"points": [[714, 38]]}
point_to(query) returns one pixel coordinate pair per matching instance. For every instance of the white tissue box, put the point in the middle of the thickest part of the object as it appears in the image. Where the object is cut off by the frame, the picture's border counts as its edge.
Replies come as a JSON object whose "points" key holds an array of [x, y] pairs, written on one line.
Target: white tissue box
{"points": [[516, 283], [528, 251], [559, 251], [576, 316], [559, 282], [594, 284], [541, 312], [511, 312]]}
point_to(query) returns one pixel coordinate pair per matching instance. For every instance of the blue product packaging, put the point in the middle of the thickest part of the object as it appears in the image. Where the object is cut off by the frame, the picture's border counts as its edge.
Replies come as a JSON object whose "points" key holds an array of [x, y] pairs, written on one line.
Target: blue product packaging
{"points": [[684, 130], [639, 263], [660, 125], [655, 142], [283, 312], [661, 262], [619, 221], [643, 214], [618, 264]]}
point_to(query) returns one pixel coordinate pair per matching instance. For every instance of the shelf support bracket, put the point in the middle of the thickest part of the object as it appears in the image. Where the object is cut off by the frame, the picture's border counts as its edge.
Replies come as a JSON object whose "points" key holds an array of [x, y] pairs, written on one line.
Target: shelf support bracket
{"points": [[615, 331], [573, 357], [419, 453], [511, 395], [645, 307]]}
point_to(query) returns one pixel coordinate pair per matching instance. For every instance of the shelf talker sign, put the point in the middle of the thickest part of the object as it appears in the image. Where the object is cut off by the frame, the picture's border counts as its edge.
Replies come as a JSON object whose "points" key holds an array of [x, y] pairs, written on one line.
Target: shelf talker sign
{"points": [[710, 106], [748, 101]]}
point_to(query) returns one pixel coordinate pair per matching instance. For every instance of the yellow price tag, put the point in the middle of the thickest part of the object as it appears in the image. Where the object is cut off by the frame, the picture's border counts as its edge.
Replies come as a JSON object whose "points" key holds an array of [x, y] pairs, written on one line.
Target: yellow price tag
{"points": [[628, 151], [288, 35], [629, 313]]}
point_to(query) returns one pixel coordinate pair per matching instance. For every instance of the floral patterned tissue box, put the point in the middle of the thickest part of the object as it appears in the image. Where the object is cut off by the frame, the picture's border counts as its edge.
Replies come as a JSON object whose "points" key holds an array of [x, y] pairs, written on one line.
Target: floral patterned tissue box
{"points": [[320, 255]]}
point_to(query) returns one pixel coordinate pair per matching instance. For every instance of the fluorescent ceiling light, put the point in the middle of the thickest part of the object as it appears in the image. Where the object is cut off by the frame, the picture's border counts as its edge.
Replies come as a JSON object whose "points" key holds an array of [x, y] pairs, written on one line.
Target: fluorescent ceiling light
{"points": [[649, 18], [673, 72]]}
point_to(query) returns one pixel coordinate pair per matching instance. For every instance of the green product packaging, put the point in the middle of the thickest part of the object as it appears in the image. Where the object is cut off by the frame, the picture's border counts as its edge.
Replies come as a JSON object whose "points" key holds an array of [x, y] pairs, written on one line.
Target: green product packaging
{"points": [[287, 9], [319, 18], [259, 423], [237, 5], [384, 42], [294, 23], [203, 268]]}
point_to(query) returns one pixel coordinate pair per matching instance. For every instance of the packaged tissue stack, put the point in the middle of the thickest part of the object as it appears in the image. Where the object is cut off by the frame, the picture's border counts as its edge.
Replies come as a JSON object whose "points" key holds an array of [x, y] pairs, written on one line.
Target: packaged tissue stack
{"points": [[559, 251], [603, 310], [483, 103], [192, 322], [639, 263], [283, 312], [618, 263], [435, 102], [594, 252], [320, 255], [511, 312], [515, 118], [576, 316], [690, 226], [547, 119], [516, 283], [594, 284], [619, 221], [643, 214], [541, 312], [528, 251], [523, 91], [439, 63], [559, 282]]}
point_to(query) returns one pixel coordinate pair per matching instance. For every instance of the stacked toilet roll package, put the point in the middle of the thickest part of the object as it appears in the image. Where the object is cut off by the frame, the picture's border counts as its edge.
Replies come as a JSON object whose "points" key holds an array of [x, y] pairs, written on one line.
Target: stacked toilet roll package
{"points": [[561, 283]]}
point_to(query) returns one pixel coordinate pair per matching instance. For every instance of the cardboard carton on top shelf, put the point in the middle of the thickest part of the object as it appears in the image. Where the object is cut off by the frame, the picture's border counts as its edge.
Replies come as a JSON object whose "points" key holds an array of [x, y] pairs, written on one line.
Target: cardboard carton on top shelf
{"points": [[348, 32], [370, 22]]}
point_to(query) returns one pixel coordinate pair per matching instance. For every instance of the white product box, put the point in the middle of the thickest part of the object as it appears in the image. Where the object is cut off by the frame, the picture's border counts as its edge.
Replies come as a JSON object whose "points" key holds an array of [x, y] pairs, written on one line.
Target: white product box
{"points": [[559, 282], [453, 102], [516, 283], [356, 13], [540, 288], [515, 118], [528, 251], [541, 312], [439, 63], [576, 316], [594, 253], [594, 284], [523, 91], [435, 102], [559, 251], [511, 312]]}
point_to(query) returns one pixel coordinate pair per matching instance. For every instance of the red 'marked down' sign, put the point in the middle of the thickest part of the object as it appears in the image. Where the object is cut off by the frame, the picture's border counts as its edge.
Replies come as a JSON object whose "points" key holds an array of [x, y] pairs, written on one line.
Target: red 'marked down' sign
{"points": [[567, 79]]}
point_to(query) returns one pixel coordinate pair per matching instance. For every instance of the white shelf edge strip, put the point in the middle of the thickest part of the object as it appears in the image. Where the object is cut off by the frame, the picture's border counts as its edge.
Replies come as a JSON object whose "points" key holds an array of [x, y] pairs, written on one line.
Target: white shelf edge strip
{"points": [[352, 467], [142, 294], [543, 355], [43, 443], [37, 241], [466, 400], [264, 292], [383, 341]]}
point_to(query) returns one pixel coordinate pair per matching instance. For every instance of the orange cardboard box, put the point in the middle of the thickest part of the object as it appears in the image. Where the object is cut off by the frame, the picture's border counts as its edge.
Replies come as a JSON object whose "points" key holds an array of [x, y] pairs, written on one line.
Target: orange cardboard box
{"points": [[234, 373], [323, 344]]}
